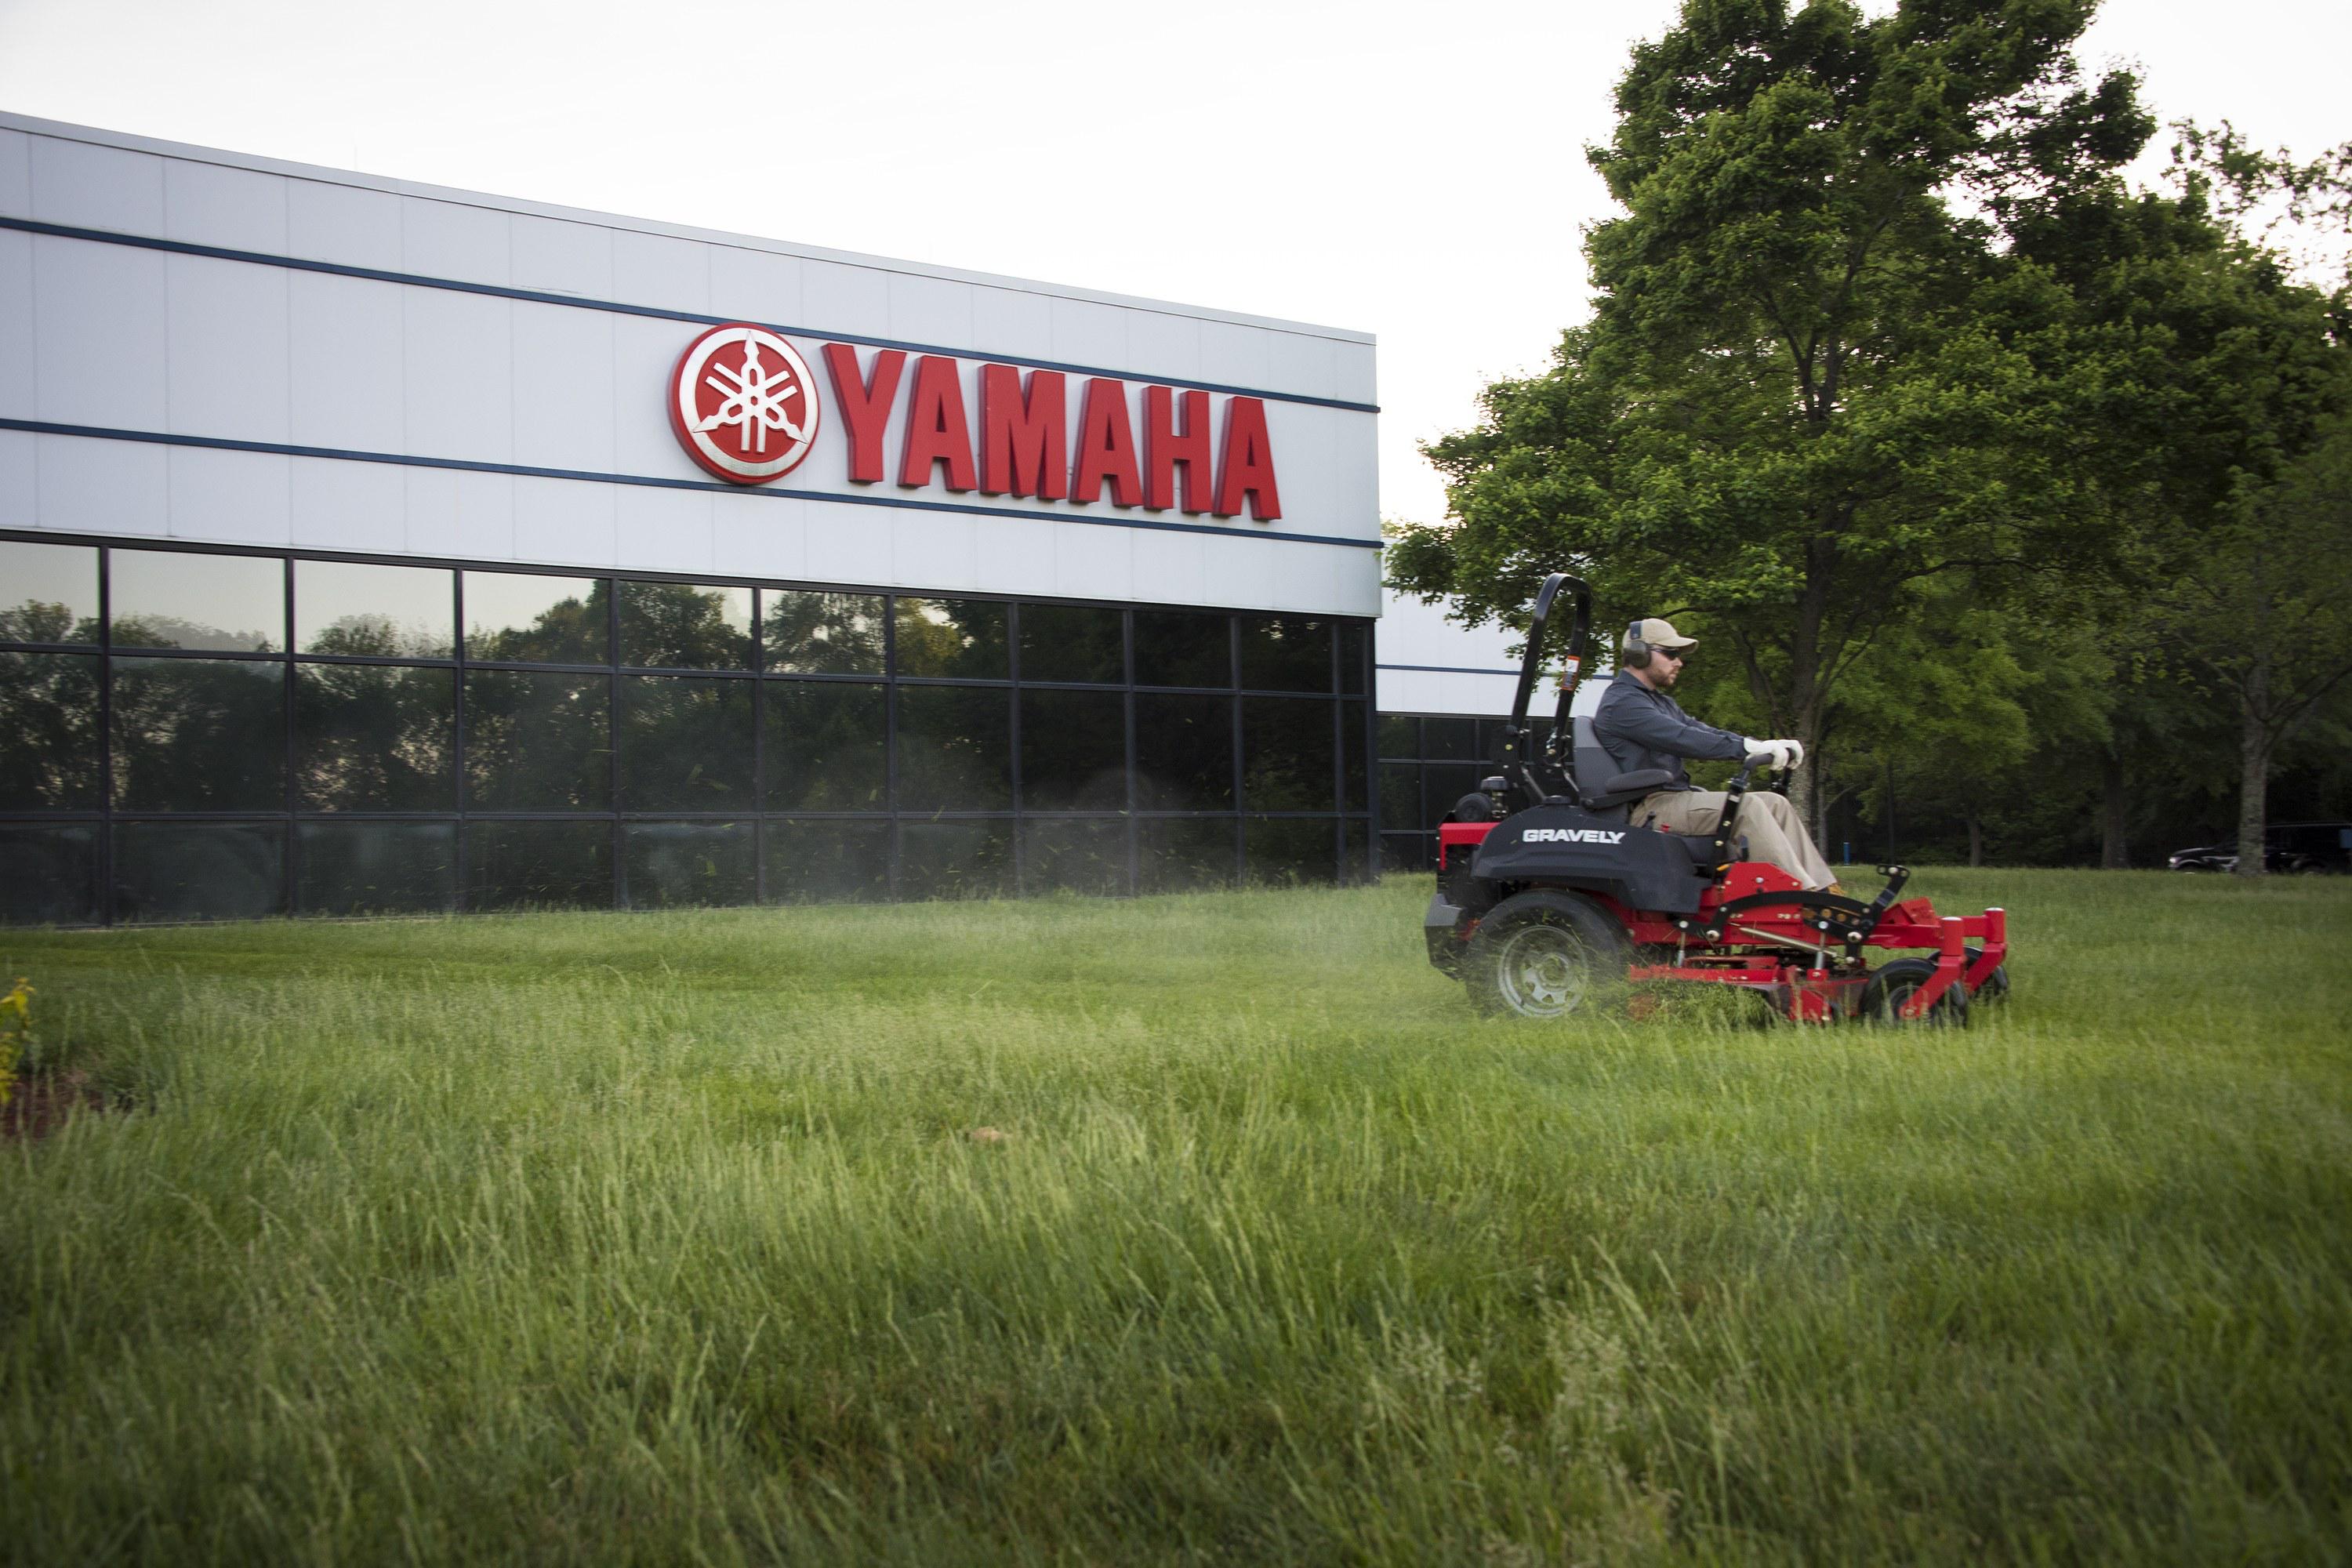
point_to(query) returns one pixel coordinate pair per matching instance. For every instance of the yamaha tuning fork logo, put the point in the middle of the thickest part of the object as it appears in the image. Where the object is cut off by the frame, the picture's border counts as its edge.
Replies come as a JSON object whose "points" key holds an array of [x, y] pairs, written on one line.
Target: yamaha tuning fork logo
{"points": [[743, 404]]}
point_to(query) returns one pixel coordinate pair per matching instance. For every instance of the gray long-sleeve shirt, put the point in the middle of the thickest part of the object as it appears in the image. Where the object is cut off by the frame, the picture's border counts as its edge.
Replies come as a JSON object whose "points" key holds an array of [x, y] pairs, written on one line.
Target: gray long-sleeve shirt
{"points": [[1641, 729]]}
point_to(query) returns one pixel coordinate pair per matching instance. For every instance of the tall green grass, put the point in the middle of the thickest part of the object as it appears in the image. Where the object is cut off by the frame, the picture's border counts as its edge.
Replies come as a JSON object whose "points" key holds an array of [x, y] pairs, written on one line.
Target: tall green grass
{"points": [[662, 1239]]}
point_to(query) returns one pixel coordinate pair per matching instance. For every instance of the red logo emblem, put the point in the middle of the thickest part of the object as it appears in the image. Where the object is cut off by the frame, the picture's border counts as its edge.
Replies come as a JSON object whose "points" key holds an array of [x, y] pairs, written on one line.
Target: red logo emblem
{"points": [[743, 404]]}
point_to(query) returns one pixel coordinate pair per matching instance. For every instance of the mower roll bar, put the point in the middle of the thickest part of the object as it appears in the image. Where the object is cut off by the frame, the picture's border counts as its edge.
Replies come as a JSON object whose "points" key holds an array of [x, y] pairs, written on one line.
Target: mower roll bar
{"points": [[1540, 773]]}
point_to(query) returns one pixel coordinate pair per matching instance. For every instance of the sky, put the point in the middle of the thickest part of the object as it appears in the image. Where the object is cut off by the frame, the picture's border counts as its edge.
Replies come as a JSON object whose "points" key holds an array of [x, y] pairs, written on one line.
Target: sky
{"points": [[1406, 170]]}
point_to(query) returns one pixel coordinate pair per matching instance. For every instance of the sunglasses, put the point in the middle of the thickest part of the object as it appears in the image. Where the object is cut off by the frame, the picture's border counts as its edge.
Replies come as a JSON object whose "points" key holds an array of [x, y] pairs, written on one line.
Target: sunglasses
{"points": [[1679, 654]]}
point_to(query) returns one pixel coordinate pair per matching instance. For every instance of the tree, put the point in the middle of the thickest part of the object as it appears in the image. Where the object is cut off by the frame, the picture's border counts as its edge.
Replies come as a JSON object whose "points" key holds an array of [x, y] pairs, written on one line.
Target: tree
{"points": [[1816, 378]]}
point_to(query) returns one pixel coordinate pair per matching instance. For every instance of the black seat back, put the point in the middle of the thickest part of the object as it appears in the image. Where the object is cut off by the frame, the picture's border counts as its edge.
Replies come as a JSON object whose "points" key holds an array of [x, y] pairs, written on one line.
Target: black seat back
{"points": [[1594, 768]]}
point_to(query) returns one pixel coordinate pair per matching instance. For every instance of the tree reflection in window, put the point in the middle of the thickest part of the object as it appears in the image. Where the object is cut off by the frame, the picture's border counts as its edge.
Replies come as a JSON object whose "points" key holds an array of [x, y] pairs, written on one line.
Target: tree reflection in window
{"points": [[684, 626], [525, 619], [821, 634], [371, 737], [199, 734]]}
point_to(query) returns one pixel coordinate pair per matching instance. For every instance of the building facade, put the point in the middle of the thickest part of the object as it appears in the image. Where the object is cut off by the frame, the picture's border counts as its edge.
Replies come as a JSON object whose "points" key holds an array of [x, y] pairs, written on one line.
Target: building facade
{"points": [[372, 548]]}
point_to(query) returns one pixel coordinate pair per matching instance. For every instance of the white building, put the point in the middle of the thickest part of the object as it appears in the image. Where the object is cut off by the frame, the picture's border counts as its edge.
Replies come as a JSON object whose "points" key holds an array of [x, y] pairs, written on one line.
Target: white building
{"points": [[371, 547]]}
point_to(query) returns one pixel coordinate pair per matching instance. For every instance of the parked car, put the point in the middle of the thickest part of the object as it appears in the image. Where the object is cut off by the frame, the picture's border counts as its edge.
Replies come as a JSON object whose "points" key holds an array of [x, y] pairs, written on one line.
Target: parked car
{"points": [[2287, 848]]}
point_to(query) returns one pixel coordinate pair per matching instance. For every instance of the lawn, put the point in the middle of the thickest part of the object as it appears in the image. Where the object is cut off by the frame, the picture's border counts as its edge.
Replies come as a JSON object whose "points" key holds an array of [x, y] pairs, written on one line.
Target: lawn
{"points": [[668, 1238]]}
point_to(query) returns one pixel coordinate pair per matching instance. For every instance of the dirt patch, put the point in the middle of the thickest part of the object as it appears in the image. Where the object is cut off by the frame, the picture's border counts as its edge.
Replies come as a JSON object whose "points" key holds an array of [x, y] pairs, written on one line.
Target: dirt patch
{"points": [[40, 1106]]}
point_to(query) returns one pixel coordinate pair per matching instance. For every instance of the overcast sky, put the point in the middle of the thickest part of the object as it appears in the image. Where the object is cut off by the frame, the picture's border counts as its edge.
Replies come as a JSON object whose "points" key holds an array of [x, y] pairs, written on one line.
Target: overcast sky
{"points": [[1407, 169]]}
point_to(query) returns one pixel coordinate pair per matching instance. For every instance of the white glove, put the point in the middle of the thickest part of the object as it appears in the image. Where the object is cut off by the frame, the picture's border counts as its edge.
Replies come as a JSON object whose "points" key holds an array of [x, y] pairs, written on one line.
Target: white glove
{"points": [[1796, 754], [1771, 754]]}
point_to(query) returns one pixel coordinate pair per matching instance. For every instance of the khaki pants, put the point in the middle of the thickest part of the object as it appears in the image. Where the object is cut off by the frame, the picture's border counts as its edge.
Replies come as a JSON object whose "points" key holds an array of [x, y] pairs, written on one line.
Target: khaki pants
{"points": [[1774, 831]]}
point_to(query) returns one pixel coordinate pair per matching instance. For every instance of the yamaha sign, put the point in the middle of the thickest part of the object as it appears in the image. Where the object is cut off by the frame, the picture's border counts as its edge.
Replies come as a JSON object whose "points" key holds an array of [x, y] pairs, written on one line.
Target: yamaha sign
{"points": [[745, 407]]}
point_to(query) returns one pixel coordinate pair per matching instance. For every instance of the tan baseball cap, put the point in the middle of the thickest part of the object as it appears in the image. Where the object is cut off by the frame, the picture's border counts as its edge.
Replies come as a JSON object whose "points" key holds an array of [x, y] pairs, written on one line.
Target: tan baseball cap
{"points": [[1662, 633]]}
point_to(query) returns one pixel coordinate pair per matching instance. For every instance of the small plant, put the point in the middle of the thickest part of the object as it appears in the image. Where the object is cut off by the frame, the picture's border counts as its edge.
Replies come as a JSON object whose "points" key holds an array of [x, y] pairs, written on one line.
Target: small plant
{"points": [[16, 1033]]}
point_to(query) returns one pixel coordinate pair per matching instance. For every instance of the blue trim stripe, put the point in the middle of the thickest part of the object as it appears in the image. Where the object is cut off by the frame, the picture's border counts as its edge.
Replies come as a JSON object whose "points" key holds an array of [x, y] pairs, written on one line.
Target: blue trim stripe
{"points": [[536, 296], [1445, 668], [275, 448]]}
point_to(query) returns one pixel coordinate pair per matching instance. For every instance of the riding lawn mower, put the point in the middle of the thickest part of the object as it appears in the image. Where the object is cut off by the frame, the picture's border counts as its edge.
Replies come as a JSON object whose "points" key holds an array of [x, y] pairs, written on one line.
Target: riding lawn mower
{"points": [[1559, 898]]}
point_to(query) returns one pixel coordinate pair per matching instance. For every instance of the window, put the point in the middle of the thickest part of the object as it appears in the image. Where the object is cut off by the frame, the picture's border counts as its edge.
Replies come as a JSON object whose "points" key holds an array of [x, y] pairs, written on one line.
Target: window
{"points": [[955, 748], [828, 746], [959, 638], [1072, 643], [377, 868], [521, 619], [48, 731], [686, 743], [1285, 653], [385, 611], [225, 604], [537, 741], [1182, 647], [672, 865], [199, 734], [821, 634], [1073, 751], [51, 591], [372, 737], [684, 626]]}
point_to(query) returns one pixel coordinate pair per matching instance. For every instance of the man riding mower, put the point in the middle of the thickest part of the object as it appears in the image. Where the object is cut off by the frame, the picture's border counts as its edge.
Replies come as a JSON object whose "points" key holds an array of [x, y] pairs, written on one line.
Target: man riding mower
{"points": [[1565, 893]]}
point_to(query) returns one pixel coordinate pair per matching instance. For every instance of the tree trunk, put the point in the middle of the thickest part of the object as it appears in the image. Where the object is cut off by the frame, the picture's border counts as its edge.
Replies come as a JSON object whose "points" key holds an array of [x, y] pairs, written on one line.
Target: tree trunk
{"points": [[1805, 666], [2253, 765], [2115, 850], [1976, 839]]}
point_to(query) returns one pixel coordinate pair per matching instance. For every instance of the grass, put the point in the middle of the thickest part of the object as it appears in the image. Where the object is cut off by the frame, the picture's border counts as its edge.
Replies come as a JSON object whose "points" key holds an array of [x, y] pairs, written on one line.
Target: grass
{"points": [[663, 1239]]}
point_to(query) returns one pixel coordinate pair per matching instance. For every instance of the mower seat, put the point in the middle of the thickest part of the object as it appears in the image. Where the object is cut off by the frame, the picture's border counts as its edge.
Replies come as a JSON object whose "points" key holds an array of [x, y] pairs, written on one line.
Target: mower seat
{"points": [[1600, 787]]}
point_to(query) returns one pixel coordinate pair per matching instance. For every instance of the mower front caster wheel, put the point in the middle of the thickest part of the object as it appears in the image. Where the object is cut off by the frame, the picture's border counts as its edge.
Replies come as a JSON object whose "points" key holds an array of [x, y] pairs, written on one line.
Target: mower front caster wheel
{"points": [[1545, 954], [1892, 984]]}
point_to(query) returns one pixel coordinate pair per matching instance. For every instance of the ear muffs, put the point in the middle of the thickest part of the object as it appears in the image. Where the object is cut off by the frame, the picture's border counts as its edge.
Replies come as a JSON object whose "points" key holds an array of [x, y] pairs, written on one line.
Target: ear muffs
{"points": [[1636, 651]]}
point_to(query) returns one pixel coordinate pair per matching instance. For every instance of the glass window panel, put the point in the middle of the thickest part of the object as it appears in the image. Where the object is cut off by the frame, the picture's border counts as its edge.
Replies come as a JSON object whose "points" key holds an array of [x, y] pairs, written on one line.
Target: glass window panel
{"points": [[1282, 851], [48, 731], [828, 746], [1408, 852], [535, 620], [539, 864], [1490, 739], [1400, 735], [48, 874], [1074, 855], [952, 636], [675, 865], [1442, 784], [199, 871], [827, 862], [1180, 648], [199, 734], [1355, 852], [51, 592], [1286, 755], [231, 603], [955, 748], [686, 625], [1074, 750], [1073, 642], [1183, 854], [686, 744], [1449, 738], [821, 634], [1285, 653], [1183, 752], [343, 606], [1354, 792], [375, 737], [1355, 657], [537, 742], [1401, 805], [955, 859], [376, 867]]}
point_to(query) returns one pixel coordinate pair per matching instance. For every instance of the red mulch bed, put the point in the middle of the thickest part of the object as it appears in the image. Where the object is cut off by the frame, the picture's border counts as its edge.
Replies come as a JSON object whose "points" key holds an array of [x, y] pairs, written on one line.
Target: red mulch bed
{"points": [[40, 1106]]}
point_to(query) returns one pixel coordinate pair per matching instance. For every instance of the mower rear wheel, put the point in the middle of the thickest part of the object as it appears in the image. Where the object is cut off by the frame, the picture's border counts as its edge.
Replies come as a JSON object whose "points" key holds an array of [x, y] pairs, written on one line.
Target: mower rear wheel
{"points": [[1546, 955], [1892, 984]]}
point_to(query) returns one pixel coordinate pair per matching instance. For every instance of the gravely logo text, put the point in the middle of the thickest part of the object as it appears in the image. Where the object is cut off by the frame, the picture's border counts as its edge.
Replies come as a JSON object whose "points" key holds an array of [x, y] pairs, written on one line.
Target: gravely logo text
{"points": [[1570, 836]]}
